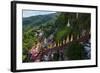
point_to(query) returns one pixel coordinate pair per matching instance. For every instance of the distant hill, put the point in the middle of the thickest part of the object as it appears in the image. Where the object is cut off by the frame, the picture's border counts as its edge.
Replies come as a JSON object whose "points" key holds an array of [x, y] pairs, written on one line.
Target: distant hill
{"points": [[38, 20]]}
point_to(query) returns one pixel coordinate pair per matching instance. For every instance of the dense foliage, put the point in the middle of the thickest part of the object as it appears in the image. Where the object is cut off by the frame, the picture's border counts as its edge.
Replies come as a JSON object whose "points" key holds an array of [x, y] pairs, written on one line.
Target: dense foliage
{"points": [[75, 51]]}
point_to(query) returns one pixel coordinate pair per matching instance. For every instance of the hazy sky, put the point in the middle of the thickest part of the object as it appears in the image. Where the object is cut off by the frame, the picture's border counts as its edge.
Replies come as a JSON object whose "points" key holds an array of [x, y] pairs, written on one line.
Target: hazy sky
{"points": [[28, 13]]}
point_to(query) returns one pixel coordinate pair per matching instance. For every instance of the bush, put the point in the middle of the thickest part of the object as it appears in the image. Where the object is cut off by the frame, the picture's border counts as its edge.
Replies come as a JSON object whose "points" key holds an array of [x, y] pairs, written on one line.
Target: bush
{"points": [[75, 51]]}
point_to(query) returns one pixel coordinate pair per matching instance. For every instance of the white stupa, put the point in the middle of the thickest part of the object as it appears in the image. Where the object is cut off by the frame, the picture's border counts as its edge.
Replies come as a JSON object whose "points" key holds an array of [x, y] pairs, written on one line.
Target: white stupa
{"points": [[68, 24], [76, 15]]}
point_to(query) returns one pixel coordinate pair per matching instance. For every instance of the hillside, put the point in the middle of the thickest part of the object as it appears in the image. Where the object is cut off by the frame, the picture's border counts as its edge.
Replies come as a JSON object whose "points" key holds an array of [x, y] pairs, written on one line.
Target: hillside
{"points": [[38, 20]]}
